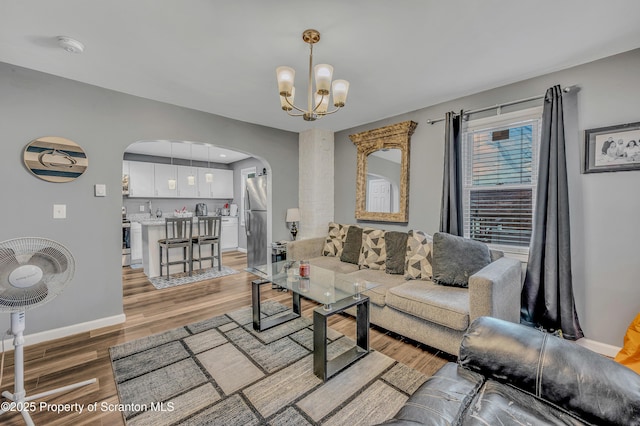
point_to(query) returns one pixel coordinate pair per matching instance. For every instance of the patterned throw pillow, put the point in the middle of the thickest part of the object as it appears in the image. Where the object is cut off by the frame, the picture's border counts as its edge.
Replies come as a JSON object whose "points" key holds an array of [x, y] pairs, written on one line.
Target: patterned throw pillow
{"points": [[373, 254], [419, 256], [334, 243]]}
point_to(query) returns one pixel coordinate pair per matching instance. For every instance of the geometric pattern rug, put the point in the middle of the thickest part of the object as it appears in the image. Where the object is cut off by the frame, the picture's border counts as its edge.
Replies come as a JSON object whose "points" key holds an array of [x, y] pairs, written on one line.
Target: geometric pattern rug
{"points": [[221, 372], [198, 275]]}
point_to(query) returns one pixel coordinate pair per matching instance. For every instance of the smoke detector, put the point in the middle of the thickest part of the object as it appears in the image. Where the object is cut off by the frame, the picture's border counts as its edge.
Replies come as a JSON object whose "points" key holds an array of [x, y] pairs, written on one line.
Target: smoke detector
{"points": [[70, 45]]}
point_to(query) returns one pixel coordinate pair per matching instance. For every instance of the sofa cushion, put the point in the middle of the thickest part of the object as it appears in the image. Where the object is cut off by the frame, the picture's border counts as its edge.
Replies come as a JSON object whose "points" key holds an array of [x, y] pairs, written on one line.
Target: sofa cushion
{"points": [[352, 245], [396, 247], [455, 259], [334, 264], [447, 306], [377, 295], [373, 254], [418, 256], [334, 243]]}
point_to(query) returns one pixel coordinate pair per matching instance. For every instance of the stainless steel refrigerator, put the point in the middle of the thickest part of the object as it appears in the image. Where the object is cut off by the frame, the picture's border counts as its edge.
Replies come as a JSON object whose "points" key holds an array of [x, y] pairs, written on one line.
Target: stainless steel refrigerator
{"points": [[255, 220]]}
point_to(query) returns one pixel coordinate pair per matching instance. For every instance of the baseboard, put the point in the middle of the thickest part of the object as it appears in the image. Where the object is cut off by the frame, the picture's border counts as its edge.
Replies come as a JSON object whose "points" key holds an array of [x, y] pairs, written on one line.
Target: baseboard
{"points": [[599, 347], [44, 336], [242, 250]]}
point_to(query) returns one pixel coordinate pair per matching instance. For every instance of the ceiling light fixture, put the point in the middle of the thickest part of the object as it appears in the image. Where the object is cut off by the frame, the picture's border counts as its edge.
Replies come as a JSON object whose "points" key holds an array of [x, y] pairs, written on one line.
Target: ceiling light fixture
{"points": [[317, 105], [70, 45]]}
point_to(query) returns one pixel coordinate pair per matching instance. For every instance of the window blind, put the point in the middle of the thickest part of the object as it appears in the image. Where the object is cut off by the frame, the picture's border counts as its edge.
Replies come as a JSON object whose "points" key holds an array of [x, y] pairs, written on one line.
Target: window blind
{"points": [[499, 181]]}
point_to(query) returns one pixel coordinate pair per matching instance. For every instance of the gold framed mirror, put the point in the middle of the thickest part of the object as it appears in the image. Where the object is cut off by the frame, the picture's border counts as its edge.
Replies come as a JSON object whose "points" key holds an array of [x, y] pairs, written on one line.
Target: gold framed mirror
{"points": [[382, 179]]}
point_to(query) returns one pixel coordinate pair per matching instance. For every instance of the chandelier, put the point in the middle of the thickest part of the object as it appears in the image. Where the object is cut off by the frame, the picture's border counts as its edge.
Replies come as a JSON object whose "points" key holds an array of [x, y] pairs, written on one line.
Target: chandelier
{"points": [[318, 101]]}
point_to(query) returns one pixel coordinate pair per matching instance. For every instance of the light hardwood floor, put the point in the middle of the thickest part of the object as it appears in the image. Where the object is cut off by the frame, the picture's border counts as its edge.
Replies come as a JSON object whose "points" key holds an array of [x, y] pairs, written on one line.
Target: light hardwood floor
{"points": [[148, 311]]}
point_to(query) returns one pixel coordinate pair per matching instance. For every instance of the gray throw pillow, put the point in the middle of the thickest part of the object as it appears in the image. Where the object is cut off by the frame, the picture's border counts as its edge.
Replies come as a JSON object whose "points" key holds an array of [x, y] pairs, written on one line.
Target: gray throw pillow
{"points": [[455, 259], [352, 244], [396, 247]]}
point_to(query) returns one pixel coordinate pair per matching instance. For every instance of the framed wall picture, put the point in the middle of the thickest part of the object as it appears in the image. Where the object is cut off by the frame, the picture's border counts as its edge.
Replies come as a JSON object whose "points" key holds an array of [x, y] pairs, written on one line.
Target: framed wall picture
{"points": [[612, 149]]}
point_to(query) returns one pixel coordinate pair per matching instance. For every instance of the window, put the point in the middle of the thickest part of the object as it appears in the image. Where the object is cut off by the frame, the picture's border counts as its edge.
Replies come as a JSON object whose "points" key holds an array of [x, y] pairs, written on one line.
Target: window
{"points": [[500, 162]]}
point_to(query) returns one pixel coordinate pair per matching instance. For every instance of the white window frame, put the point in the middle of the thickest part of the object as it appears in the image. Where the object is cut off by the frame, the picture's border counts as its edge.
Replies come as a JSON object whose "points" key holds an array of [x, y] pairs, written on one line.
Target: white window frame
{"points": [[483, 124], [244, 174]]}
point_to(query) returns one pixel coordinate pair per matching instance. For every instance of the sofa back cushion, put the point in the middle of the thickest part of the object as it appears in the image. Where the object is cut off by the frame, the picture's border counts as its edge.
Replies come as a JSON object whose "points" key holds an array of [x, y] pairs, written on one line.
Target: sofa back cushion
{"points": [[352, 244], [396, 247], [418, 256], [455, 259], [373, 254], [574, 378], [334, 242]]}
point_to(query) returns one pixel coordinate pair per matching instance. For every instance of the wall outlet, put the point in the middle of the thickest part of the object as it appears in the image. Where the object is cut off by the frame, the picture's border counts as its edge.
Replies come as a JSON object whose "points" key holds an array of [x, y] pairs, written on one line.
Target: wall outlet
{"points": [[142, 208]]}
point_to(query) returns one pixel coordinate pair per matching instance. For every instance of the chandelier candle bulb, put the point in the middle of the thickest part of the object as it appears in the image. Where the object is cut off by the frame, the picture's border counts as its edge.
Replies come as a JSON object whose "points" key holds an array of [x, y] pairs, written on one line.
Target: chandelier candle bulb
{"points": [[283, 100], [322, 104], [286, 76], [323, 73], [340, 89]]}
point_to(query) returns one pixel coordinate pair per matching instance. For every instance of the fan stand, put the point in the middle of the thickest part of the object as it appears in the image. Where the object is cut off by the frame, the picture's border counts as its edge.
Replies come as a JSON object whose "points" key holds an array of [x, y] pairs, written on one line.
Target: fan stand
{"points": [[19, 397]]}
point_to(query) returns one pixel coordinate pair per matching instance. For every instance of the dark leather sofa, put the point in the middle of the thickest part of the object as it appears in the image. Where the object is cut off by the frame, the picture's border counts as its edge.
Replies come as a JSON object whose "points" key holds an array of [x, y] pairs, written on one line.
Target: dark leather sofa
{"points": [[509, 374]]}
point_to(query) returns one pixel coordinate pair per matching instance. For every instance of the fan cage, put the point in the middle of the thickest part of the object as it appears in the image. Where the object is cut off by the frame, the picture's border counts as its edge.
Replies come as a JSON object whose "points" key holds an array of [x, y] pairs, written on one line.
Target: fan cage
{"points": [[54, 260]]}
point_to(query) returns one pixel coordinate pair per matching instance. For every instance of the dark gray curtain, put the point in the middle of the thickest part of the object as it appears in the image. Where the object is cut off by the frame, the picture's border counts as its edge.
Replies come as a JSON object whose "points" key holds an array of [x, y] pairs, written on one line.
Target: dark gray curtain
{"points": [[547, 295], [451, 207]]}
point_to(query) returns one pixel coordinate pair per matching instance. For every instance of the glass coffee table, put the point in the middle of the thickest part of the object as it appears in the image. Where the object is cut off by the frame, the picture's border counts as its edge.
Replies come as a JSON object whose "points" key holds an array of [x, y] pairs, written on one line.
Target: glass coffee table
{"points": [[336, 292]]}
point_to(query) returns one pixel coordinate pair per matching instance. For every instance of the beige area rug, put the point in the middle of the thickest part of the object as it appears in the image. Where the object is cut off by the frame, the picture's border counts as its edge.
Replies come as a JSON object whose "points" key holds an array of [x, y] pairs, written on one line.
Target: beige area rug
{"points": [[221, 372], [197, 275]]}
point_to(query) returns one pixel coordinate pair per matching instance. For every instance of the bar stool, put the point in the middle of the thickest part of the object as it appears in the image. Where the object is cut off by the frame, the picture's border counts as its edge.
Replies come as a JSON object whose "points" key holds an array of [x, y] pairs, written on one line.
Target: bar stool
{"points": [[178, 233], [208, 234]]}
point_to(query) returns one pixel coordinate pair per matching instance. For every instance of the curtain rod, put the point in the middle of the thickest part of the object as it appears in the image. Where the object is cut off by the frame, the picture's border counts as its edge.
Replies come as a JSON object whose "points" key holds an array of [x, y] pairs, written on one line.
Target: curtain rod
{"points": [[498, 106]]}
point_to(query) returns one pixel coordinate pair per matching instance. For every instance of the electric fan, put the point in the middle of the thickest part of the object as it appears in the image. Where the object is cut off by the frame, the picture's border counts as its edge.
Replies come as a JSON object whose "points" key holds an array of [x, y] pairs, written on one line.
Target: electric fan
{"points": [[33, 271]]}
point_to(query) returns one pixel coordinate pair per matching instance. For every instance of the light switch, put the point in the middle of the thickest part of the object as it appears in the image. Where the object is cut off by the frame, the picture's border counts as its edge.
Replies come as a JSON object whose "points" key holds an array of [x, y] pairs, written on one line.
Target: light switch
{"points": [[59, 211], [141, 207], [100, 190]]}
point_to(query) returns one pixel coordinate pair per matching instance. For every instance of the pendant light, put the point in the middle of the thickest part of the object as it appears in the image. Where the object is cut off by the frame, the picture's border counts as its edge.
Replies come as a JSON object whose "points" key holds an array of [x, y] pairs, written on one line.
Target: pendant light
{"points": [[208, 177], [171, 182], [191, 179]]}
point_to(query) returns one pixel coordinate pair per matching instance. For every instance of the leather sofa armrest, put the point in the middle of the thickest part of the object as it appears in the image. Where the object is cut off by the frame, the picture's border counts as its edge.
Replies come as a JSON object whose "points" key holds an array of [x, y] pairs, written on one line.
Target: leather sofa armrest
{"points": [[440, 400], [305, 249], [495, 290], [589, 385]]}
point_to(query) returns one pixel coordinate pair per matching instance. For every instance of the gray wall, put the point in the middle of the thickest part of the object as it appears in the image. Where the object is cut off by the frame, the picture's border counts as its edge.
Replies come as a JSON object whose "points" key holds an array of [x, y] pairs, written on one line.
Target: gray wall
{"points": [[605, 207], [104, 123]]}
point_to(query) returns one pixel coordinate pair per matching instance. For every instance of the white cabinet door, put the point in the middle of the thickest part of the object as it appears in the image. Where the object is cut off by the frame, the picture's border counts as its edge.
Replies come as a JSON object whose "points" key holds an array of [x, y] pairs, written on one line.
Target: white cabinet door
{"points": [[141, 182], [187, 177], [204, 187], [229, 233], [165, 180], [222, 186], [136, 242]]}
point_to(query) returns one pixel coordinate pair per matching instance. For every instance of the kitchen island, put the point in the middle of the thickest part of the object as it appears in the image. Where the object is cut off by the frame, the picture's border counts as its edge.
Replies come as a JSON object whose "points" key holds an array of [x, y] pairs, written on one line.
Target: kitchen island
{"points": [[154, 230]]}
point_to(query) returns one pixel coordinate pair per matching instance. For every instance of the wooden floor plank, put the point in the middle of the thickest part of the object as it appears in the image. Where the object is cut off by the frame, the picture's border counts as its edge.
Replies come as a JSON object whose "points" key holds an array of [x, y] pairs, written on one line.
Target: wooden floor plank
{"points": [[83, 356]]}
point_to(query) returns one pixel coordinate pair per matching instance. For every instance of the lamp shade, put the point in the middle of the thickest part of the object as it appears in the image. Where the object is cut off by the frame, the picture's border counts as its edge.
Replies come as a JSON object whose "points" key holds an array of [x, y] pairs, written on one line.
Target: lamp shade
{"points": [[340, 91], [322, 103], [285, 76], [293, 215], [323, 73]]}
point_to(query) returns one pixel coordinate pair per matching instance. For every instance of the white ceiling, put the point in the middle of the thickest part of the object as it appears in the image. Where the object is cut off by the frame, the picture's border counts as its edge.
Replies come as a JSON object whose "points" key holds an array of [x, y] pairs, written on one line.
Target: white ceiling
{"points": [[220, 56]]}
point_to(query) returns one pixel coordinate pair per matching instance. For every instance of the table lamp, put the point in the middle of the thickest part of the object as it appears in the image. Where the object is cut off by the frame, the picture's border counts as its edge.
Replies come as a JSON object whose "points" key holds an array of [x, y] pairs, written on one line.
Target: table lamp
{"points": [[293, 217]]}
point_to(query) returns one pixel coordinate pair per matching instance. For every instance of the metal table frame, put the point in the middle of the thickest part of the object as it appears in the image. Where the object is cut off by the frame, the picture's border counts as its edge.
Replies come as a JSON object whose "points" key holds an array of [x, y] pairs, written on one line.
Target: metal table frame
{"points": [[324, 368], [260, 324]]}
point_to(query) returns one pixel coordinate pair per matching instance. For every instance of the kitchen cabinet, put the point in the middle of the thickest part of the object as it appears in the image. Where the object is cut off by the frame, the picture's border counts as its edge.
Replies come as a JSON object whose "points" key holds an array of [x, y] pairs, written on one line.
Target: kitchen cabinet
{"points": [[186, 190], [222, 186], [141, 179], [136, 243], [204, 187], [163, 174], [151, 180], [229, 233]]}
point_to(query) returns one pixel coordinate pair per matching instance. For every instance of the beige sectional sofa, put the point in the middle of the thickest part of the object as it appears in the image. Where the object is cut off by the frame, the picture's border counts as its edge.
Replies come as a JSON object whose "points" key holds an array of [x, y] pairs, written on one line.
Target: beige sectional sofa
{"points": [[420, 309]]}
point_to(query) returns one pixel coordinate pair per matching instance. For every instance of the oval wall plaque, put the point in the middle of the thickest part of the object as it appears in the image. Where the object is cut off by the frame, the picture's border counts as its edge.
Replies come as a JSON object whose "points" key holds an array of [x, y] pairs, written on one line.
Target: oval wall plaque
{"points": [[55, 159]]}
